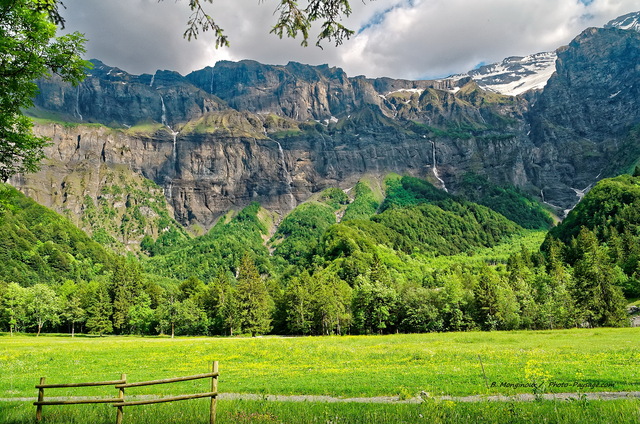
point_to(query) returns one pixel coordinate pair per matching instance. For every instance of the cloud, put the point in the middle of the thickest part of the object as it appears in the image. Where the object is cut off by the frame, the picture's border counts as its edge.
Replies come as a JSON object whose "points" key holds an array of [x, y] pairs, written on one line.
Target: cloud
{"points": [[435, 38], [396, 38]]}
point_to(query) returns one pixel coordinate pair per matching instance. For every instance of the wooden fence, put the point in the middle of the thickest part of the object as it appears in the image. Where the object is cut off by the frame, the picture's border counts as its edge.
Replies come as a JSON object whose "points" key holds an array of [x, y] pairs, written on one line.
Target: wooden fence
{"points": [[122, 384]]}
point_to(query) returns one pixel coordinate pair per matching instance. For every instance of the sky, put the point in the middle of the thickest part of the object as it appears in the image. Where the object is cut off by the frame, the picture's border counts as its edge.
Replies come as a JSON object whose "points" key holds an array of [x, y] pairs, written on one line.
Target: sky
{"points": [[410, 39]]}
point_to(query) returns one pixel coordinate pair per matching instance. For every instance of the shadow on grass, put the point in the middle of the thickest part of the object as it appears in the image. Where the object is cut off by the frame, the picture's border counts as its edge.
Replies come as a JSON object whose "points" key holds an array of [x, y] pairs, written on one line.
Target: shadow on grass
{"points": [[50, 335]]}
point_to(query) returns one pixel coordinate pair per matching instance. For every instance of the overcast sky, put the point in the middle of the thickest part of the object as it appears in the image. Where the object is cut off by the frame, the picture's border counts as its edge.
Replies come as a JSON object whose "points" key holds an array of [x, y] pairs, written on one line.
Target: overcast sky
{"points": [[410, 39]]}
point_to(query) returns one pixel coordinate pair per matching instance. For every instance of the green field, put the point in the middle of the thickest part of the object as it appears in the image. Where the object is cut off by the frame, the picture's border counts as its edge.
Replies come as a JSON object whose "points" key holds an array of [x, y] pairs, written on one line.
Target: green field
{"points": [[393, 365], [396, 365], [240, 412]]}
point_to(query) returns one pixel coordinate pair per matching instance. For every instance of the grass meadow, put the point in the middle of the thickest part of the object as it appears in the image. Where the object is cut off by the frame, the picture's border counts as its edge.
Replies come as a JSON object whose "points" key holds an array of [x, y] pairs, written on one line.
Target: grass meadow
{"points": [[239, 412], [401, 366]]}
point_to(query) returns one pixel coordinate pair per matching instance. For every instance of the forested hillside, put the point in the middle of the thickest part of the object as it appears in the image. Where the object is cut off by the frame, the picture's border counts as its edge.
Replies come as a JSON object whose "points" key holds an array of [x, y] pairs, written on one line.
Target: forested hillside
{"points": [[409, 258], [39, 246]]}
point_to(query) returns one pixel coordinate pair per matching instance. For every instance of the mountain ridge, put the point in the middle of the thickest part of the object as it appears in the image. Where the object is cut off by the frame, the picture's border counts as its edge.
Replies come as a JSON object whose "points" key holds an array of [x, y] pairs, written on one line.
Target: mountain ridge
{"points": [[222, 137]]}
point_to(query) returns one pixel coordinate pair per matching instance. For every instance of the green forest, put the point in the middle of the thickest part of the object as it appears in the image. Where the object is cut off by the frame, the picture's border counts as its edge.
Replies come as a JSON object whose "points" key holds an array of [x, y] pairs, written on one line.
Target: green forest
{"points": [[411, 259]]}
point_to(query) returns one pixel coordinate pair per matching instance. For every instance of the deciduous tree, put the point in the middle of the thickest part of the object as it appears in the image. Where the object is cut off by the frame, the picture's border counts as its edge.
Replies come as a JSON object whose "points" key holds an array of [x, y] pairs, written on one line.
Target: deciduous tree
{"points": [[293, 19], [43, 306], [14, 305], [373, 306], [72, 312], [30, 50], [141, 315]]}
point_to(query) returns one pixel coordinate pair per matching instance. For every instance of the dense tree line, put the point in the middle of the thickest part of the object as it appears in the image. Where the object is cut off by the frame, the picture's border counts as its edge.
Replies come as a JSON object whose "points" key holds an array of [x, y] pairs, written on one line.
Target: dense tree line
{"points": [[529, 292], [358, 276]]}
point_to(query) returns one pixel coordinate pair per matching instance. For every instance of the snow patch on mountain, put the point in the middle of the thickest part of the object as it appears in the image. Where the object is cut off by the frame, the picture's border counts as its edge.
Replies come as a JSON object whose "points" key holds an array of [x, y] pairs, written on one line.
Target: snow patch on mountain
{"points": [[515, 75], [630, 21], [418, 91]]}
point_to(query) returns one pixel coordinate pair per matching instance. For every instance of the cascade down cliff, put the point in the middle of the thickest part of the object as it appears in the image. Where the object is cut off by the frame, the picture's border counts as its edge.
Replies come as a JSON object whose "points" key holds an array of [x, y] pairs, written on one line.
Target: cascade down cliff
{"points": [[227, 135]]}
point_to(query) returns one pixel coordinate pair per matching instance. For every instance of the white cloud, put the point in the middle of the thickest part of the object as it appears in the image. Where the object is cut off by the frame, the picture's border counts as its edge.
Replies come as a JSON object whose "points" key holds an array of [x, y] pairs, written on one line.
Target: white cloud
{"points": [[397, 38]]}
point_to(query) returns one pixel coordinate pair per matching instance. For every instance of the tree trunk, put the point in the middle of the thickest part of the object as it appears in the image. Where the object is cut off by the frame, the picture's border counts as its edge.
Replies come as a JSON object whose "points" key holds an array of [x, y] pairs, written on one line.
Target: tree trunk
{"points": [[73, 329], [39, 328], [172, 329]]}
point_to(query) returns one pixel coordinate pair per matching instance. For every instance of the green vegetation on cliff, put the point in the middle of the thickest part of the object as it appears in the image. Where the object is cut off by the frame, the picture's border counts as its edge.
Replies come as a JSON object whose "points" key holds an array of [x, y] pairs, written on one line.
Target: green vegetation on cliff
{"points": [[38, 245], [509, 201], [603, 230], [220, 249], [420, 261], [297, 237], [128, 209], [364, 205]]}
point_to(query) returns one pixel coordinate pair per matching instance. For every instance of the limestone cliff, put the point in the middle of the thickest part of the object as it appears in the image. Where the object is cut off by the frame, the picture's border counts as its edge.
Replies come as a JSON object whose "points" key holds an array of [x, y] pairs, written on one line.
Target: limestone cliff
{"points": [[222, 137]]}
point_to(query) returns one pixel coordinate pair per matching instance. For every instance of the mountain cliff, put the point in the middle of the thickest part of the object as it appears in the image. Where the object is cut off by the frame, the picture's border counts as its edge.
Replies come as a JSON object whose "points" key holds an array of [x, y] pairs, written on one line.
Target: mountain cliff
{"points": [[234, 133]]}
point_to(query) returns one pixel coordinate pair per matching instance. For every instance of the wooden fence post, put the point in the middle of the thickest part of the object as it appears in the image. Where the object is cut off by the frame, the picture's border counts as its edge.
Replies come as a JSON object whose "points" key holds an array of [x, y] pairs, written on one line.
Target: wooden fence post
{"points": [[40, 399], [119, 414], [214, 388]]}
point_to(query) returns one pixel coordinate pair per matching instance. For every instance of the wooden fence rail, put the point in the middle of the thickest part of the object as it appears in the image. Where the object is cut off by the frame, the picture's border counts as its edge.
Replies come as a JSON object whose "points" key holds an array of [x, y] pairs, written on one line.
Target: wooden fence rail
{"points": [[122, 384]]}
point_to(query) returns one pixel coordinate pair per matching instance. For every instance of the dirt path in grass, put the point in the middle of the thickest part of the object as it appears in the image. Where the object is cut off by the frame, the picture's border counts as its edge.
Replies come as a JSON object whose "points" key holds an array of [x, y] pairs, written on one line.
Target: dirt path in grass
{"points": [[522, 397]]}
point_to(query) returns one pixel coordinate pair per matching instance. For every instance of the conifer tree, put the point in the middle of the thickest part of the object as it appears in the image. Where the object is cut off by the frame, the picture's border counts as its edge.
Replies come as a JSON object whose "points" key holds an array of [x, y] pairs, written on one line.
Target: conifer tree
{"points": [[126, 288], [596, 284], [99, 312], [254, 301], [221, 303]]}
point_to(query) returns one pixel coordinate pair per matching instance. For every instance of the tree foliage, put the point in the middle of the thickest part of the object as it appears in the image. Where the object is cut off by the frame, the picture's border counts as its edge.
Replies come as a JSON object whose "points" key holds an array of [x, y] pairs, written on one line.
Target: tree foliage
{"points": [[293, 20], [221, 248], [508, 201], [254, 301], [30, 50], [297, 237], [375, 274], [99, 312], [39, 246], [364, 204]]}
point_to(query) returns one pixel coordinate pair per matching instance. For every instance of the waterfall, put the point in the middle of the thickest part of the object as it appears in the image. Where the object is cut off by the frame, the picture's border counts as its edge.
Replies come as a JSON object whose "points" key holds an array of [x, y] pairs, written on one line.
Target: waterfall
{"points": [[287, 176], [580, 193], [163, 117], [174, 134], [168, 192], [153, 77], [78, 103], [173, 151], [435, 168]]}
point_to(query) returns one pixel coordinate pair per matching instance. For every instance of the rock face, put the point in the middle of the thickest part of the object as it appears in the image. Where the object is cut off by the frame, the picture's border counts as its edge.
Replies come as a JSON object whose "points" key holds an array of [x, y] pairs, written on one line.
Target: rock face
{"points": [[115, 98], [222, 137], [583, 120], [297, 91]]}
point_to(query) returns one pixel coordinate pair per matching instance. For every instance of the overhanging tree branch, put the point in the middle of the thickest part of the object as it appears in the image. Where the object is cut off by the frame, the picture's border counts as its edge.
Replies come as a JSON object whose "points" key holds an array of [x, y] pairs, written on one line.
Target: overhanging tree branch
{"points": [[293, 20]]}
